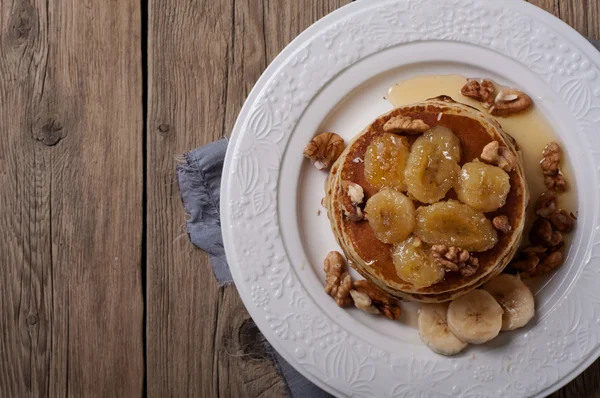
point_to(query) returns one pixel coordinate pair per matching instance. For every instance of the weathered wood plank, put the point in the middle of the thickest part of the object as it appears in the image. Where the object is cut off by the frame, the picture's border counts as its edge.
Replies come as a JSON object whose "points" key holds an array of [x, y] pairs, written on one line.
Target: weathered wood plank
{"points": [[71, 305], [189, 51], [582, 15], [552, 6], [200, 339], [593, 19]]}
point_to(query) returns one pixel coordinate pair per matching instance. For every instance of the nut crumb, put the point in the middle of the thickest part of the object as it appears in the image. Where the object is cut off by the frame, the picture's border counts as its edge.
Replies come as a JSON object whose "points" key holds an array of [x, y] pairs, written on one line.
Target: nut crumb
{"points": [[318, 212], [405, 124], [324, 149], [502, 224], [357, 160], [439, 116], [499, 156]]}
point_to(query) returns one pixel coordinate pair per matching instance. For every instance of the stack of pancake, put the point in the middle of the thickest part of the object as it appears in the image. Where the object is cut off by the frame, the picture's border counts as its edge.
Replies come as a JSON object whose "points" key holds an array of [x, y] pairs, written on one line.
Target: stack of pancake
{"points": [[373, 258]]}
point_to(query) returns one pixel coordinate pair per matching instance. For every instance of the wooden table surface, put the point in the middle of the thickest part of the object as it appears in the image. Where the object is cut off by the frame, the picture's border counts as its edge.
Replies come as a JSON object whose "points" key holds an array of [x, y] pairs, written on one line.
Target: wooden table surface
{"points": [[101, 293]]}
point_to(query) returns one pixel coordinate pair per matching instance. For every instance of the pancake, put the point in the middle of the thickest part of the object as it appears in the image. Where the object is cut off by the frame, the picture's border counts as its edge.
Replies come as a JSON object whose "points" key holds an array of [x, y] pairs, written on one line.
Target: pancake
{"points": [[371, 257]]}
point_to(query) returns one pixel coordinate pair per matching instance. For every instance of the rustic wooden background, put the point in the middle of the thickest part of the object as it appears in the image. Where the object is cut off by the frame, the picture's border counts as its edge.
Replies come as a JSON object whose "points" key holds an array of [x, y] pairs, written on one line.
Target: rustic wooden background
{"points": [[101, 293]]}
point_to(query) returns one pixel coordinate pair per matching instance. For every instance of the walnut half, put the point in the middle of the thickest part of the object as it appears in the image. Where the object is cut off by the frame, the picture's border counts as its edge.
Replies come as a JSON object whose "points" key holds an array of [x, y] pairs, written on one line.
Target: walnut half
{"points": [[324, 149], [499, 156], [455, 259], [338, 280], [509, 102], [405, 124]]}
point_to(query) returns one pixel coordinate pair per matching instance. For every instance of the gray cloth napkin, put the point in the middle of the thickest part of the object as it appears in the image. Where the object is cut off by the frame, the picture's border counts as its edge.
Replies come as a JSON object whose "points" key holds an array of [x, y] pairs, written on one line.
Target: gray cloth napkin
{"points": [[199, 184], [199, 177]]}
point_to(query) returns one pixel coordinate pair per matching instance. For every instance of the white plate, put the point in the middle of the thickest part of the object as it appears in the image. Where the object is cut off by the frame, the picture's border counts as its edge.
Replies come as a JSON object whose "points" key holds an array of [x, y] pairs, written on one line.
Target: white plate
{"points": [[334, 75]]}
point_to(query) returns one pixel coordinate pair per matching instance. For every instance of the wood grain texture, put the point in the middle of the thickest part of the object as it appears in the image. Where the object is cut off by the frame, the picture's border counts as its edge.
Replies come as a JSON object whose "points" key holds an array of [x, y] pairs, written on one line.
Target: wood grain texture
{"points": [[582, 15], [71, 305], [203, 59]]}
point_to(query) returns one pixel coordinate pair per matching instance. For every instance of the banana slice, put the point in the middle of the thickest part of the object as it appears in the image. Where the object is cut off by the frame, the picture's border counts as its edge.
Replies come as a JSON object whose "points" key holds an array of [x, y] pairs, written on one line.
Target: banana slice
{"points": [[482, 186], [475, 317], [432, 167], [452, 223], [385, 160], [434, 330], [391, 215], [416, 265], [515, 298]]}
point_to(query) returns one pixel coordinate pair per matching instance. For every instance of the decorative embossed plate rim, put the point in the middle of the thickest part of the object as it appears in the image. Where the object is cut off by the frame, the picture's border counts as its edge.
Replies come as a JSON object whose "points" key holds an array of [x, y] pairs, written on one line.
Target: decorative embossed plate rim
{"points": [[537, 362]]}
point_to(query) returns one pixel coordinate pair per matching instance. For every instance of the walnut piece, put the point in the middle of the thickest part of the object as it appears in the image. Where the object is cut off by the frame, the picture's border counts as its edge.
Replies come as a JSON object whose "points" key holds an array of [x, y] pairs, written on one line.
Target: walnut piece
{"points": [[509, 102], [550, 164], [537, 264], [556, 183], [535, 250], [338, 280], [480, 91], [386, 305], [405, 124], [543, 234], [455, 259], [526, 265], [324, 149], [548, 264], [562, 220], [363, 302], [546, 204], [502, 224], [352, 200], [499, 156]]}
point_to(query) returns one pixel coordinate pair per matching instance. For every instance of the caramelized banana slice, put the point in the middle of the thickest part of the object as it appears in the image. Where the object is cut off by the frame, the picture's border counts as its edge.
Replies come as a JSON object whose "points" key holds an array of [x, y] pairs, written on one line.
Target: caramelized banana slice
{"points": [[454, 224], [432, 167], [391, 215], [416, 265], [385, 161], [482, 186]]}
